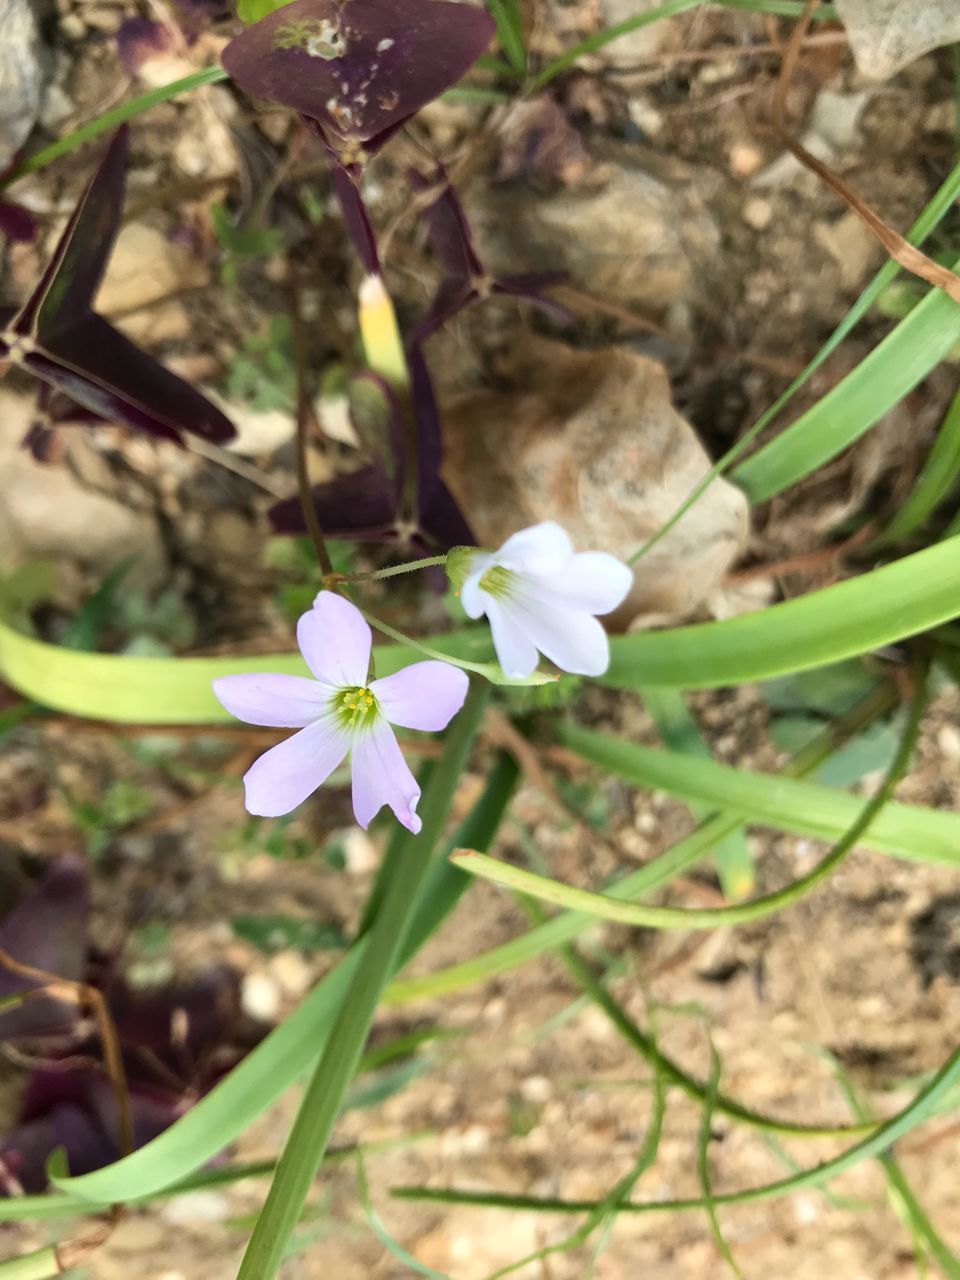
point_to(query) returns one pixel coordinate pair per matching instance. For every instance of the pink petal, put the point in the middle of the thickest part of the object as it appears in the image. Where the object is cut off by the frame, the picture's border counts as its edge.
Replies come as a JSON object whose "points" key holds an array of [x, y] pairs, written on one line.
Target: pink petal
{"points": [[543, 548], [285, 775], [515, 651], [336, 641], [281, 702], [590, 580], [381, 776], [426, 695]]}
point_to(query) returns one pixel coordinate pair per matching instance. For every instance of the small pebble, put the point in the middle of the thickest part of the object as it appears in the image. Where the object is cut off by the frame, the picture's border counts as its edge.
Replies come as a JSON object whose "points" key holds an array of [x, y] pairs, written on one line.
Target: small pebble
{"points": [[758, 213]]}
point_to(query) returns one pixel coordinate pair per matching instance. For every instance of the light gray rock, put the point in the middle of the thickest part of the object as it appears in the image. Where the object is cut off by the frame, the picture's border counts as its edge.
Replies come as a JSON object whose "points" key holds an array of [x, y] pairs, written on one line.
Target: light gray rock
{"points": [[22, 74], [592, 440]]}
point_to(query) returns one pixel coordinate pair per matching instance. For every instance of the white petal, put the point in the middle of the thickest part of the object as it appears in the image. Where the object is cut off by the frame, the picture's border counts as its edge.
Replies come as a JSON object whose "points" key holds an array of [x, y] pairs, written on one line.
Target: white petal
{"points": [[572, 639], [285, 775], [474, 600], [543, 548], [516, 653], [336, 641], [591, 580]]}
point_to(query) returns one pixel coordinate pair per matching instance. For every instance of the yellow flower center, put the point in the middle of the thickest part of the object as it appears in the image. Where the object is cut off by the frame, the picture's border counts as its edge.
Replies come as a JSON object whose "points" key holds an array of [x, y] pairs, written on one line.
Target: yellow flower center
{"points": [[356, 707]]}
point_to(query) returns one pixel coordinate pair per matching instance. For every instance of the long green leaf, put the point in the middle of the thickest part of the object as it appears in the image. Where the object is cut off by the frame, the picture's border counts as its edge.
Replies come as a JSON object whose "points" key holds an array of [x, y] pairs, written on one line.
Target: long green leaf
{"points": [[671, 863], [918, 1110], [289, 1050], [130, 690], [609, 908], [881, 380], [807, 808], [878, 608], [43, 1264]]}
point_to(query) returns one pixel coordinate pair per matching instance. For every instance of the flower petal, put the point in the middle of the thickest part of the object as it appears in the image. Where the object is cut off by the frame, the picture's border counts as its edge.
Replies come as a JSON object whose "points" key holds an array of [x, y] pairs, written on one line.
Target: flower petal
{"points": [[516, 653], [285, 775], [281, 702], [474, 600], [381, 776], [426, 695], [573, 640], [543, 548], [590, 580], [335, 640]]}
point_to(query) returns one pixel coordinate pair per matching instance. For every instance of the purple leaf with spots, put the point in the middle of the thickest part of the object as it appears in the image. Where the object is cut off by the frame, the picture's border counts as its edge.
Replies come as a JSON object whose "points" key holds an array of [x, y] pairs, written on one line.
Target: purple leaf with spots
{"points": [[57, 336], [360, 67]]}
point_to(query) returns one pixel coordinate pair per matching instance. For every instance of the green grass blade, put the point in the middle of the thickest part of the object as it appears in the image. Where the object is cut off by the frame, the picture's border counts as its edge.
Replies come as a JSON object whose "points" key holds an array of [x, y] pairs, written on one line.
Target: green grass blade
{"points": [[880, 381], [806, 808], [901, 599], [111, 120], [318, 1112], [922, 1229], [934, 483], [680, 732], [919, 1109], [646, 1046], [704, 1137], [671, 863], [609, 908], [379, 1229], [929, 219], [506, 14], [600, 38], [280, 1060]]}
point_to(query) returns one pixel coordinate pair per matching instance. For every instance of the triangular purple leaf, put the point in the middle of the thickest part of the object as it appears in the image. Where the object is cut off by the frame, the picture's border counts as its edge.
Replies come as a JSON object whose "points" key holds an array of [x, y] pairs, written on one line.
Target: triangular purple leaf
{"points": [[103, 371], [59, 338], [359, 67], [71, 279]]}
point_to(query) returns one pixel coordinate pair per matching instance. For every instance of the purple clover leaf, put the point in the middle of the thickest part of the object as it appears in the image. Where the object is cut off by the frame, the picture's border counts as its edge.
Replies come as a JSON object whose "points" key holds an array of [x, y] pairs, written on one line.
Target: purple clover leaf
{"points": [[57, 336], [358, 69], [339, 713], [466, 279]]}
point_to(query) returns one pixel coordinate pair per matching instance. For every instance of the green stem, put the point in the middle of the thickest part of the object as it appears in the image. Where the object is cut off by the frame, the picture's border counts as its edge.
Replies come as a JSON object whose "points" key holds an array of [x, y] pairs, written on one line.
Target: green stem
{"points": [[919, 1109], [377, 575], [112, 120], [318, 1112]]}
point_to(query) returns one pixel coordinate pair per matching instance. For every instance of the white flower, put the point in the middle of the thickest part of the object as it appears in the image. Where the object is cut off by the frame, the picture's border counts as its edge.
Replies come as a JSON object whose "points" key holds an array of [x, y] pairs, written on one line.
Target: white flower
{"points": [[539, 594]]}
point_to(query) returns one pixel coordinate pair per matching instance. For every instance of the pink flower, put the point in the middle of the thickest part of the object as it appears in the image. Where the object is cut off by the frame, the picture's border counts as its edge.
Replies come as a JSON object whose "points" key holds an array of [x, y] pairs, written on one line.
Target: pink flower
{"points": [[340, 713]]}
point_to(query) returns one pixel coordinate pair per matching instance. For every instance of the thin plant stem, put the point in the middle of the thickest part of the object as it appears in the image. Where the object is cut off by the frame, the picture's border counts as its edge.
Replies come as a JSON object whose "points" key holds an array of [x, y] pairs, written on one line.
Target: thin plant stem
{"points": [[377, 575]]}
